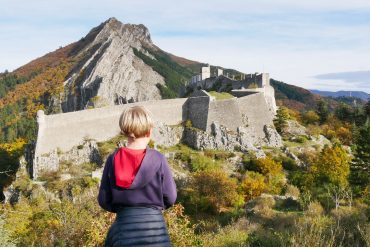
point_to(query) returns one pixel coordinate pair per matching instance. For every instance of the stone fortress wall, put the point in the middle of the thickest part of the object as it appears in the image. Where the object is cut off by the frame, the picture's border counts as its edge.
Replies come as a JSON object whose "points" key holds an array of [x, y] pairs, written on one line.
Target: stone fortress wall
{"points": [[66, 130], [248, 84], [61, 132]]}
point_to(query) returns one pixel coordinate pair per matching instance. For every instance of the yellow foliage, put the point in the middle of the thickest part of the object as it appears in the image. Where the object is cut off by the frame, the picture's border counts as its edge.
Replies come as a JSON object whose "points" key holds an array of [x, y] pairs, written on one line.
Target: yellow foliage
{"points": [[13, 148], [332, 165], [17, 219], [295, 115], [267, 166], [252, 185]]}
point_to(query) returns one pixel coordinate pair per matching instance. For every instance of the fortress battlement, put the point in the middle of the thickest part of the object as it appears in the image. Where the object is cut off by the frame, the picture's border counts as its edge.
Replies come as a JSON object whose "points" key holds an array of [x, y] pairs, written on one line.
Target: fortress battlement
{"points": [[65, 130]]}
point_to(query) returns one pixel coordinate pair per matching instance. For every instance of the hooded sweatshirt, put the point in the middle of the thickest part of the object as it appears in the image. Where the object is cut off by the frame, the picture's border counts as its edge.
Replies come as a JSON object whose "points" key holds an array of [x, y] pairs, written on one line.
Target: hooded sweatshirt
{"points": [[126, 164], [152, 186]]}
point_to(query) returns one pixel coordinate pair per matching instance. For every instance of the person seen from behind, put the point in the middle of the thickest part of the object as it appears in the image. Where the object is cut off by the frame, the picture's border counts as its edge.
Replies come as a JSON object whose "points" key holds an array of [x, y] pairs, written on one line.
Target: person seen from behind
{"points": [[137, 185]]}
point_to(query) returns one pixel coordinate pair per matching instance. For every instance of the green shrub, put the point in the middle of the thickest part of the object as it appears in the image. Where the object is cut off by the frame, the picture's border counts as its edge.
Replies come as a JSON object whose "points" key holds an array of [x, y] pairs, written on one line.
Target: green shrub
{"points": [[288, 163], [195, 160], [218, 154]]}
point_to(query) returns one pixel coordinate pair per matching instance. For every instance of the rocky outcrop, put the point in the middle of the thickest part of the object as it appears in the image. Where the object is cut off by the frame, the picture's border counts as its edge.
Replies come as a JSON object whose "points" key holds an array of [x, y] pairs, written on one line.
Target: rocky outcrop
{"points": [[220, 138], [166, 136], [86, 152], [291, 155], [11, 195], [293, 128], [109, 69], [272, 139], [320, 140]]}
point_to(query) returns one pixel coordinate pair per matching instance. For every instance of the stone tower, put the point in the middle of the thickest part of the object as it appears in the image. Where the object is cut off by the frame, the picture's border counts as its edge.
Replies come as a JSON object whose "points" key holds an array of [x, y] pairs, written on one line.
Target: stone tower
{"points": [[206, 72]]}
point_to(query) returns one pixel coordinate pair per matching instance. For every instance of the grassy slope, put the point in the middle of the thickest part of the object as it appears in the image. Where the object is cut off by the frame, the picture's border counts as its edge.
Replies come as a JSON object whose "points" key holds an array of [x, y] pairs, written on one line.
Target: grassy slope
{"points": [[175, 75]]}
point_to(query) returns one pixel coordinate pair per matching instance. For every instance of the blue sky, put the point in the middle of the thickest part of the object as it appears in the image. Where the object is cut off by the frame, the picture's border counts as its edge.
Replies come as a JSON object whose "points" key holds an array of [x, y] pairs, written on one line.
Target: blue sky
{"points": [[314, 44]]}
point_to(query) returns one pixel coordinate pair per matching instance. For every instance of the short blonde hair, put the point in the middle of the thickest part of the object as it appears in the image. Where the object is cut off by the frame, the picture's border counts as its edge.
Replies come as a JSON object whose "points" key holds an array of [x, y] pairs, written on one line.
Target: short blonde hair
{"points": [[135, 122]]}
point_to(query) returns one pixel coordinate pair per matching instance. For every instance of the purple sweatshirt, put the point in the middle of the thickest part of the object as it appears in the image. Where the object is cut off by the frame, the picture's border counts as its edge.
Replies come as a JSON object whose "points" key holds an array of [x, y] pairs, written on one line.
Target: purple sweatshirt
{"points": [[153, 185]]}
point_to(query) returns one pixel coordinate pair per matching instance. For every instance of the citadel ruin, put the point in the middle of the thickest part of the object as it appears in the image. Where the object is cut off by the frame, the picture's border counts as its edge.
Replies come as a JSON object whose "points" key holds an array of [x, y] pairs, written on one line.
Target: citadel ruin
{"points": [[246, 120]]}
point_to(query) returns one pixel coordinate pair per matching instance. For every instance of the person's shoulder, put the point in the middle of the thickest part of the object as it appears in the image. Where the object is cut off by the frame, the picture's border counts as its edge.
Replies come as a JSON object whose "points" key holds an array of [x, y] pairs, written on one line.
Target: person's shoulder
{"points": [[156, 153], [112, 154]]}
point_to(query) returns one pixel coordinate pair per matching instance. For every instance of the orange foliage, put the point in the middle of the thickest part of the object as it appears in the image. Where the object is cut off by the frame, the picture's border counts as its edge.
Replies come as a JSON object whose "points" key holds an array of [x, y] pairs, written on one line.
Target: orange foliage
{"points": [[51, 80], [344, 135]]}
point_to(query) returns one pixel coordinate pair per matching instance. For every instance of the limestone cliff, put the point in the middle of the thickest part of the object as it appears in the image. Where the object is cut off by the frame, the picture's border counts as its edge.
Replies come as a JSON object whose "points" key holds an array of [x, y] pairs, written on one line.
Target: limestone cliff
{"points": [[108, 72]]}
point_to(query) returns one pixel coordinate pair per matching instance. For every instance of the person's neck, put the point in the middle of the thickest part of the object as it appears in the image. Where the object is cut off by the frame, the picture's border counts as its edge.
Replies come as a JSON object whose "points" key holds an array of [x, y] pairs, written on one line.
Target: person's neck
{"points": [[137, 143]]}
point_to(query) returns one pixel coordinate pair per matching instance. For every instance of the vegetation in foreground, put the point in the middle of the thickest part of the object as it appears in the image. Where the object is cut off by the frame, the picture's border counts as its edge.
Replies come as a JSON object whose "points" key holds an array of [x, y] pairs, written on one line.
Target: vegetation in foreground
{"points": [[224, 198]]}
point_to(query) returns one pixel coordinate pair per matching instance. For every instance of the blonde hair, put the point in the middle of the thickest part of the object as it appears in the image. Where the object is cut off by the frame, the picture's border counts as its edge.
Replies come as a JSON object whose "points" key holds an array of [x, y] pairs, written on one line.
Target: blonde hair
{"points": [[135, 122]]}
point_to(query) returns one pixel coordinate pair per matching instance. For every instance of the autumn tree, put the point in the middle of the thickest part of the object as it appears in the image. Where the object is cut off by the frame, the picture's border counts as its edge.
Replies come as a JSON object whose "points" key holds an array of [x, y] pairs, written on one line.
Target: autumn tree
{"points": [[345, 135], [331, 166], [272, 170], [252, 185], [266, 166]]}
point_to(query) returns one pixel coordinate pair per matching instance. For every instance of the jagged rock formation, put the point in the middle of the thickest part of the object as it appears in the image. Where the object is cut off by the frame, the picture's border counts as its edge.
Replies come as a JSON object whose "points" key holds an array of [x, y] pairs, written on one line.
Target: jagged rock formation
{"points": [[109, 72], [293, 128], [167, 135], [221, 138], [272, 139]]}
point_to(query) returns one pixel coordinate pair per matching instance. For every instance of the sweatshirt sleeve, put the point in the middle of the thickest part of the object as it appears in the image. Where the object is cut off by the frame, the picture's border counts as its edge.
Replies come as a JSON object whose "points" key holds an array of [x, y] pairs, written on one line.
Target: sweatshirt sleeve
{"points": [[169, 186], [105, 191]]}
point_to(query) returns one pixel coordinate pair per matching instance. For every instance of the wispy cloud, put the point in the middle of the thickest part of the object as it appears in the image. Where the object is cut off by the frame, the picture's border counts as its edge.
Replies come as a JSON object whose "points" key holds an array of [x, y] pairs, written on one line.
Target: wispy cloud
{"points": [[293, 40], [360, 79]]}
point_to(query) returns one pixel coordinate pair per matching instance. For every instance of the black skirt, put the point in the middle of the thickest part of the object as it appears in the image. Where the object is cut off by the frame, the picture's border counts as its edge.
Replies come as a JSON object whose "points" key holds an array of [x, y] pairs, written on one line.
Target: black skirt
{"points": [[138, 226]]}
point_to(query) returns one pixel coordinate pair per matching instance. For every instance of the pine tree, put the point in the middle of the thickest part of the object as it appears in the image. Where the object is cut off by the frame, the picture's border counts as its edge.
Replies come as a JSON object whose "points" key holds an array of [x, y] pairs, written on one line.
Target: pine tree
{"points": [[322, 111], [360, 166], [367, 112], [280, 121]]}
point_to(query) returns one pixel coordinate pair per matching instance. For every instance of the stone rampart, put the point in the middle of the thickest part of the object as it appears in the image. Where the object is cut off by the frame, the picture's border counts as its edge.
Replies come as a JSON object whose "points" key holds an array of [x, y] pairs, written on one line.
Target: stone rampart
{"points": [[255, 114], [61, 132], [224, 112], [196, 110], [66, 130]]}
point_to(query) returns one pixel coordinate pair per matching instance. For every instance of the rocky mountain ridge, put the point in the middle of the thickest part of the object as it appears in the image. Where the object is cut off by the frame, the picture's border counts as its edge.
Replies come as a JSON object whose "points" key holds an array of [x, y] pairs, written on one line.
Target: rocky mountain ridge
{"points": [[111, 73]]}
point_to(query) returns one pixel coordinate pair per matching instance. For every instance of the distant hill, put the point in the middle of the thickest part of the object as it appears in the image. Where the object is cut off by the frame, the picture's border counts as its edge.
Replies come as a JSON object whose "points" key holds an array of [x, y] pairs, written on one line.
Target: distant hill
{"points": [[355, 94], [294, 97]]}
